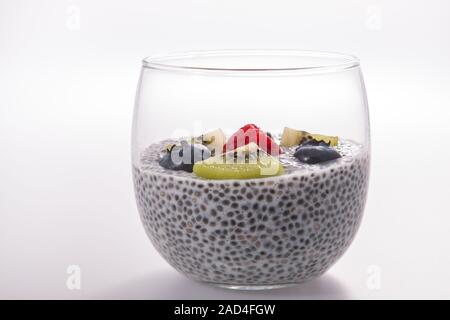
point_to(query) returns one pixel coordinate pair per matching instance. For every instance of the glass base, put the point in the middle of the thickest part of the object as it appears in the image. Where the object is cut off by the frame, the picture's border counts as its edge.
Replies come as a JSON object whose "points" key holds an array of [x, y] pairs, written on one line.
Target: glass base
{"points": [[252, 287]]}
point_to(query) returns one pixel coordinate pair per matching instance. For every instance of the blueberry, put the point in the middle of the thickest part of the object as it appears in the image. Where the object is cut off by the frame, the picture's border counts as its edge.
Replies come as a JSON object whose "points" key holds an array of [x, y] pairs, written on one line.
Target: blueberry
{"points": [[314, 143], [317, 153], [183, 157], [166, 162]]}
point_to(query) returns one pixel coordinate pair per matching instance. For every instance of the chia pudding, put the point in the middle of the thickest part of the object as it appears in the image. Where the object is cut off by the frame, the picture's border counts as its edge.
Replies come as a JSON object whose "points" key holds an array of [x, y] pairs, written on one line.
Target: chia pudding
{"points": [[281, 229]]}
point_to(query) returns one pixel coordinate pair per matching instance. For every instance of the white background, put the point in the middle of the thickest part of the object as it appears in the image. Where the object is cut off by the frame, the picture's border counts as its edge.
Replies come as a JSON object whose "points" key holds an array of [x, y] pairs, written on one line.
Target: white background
{"points": [[68, 73]]}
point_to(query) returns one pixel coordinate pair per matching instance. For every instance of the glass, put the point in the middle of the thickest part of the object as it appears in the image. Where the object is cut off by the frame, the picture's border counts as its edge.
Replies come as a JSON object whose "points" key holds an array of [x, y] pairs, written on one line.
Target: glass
{"points": [[248, 232]]}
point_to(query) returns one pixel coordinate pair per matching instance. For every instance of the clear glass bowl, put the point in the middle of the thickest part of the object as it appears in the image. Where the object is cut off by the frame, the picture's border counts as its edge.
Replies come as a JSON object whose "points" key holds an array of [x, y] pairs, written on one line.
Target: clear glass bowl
{"points": [[252, 233]]}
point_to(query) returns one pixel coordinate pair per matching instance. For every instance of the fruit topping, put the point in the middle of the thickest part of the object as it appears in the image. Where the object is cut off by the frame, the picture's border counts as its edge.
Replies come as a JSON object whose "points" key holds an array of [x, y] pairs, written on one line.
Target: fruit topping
{"points": [[169, 147], [223, 168], [314, 143], [292, 137], [213, 140], [183, 156], [330, 140], [248, 149], [251, 133], [313, 152]]}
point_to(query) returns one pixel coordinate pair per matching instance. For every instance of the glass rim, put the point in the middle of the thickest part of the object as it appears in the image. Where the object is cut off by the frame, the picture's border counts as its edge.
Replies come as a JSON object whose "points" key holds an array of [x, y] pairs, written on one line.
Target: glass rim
{"points": [[342, 61]]}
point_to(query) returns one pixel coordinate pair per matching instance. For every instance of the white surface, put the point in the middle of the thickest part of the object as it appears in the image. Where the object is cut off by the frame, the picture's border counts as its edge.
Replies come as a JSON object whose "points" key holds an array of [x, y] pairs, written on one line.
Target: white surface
{"points": [[66, 98]]}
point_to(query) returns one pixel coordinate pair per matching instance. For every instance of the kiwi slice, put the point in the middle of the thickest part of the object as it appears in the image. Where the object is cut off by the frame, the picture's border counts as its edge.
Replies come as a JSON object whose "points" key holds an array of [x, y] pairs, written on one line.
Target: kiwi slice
{"points": [[169, 147], [293, 137], [330, 140], [223, 168]]}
